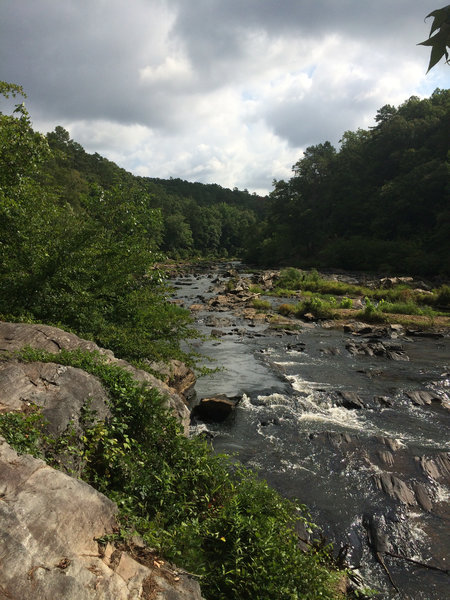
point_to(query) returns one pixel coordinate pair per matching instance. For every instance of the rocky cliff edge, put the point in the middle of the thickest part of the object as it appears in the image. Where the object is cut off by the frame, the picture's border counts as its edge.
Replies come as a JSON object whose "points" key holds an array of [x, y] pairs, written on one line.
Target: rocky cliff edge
{"points": [[50, 523]]}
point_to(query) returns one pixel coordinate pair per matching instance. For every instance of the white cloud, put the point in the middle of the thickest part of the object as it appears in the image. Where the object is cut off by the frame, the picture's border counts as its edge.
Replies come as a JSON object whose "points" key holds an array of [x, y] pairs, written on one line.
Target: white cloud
{"points": [[227, 92]]}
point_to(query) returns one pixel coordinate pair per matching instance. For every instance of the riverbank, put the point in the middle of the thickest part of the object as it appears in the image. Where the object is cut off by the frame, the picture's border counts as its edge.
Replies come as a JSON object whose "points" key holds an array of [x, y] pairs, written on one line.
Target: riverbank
{"points": [[102, 493]]}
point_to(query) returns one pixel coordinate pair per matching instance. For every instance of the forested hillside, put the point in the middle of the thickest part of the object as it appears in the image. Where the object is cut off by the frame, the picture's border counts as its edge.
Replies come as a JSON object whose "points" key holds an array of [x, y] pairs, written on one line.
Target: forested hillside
{"points": [[379, 202], [81, 238], [195, 218]]}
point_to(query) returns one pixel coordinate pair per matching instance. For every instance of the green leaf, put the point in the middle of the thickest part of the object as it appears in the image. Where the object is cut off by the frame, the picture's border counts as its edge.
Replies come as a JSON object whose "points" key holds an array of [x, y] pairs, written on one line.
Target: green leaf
{"points": [[440, 15]]}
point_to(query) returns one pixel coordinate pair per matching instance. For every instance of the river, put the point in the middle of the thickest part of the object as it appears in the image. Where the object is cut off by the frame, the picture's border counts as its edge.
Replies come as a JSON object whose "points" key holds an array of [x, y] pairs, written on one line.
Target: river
{"points": [[375, 474]]}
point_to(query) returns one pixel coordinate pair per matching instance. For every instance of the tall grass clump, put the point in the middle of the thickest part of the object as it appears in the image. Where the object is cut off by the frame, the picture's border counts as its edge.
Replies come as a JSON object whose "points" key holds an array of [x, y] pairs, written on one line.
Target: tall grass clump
{"points": [[261, 304], [321, 309], [443, 297], [371, 313]]}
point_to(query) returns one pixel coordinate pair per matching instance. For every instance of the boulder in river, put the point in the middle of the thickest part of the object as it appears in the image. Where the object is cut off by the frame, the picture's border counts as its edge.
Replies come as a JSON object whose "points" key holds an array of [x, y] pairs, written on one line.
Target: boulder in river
{"points": [[391, 351], [216, 408], [213, 321], [395, 488], [422, 397], [350, 400], [357, 328]]}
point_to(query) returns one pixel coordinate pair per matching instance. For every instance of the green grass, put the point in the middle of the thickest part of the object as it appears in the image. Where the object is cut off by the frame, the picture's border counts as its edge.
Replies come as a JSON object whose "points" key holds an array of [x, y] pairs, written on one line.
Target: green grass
{"points": [[256, 289], [261, 304], [319, 308], [401, 299], [203, 511]]}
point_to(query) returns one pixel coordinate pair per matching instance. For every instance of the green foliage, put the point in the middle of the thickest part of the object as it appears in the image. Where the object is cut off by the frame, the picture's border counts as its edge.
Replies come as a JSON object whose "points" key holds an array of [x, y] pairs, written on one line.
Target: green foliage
{"points": [[443, 296], [440, 40], [346, 303], [372, 313], [87, 259], [256, 289], [261, 304], [376, 204], [209, 515], [24, 431], [286, 310], [401, 308], [318, 307], [294, 279]]}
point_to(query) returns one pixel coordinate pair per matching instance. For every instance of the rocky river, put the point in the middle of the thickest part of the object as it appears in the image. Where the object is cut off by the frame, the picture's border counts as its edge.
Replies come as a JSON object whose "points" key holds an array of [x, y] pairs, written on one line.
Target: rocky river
{"points": [[353, 421]]}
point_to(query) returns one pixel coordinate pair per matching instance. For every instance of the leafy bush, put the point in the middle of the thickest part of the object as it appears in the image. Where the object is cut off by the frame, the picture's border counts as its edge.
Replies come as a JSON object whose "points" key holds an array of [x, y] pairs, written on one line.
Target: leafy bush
{"points": [[25, 431], [371, 313], [212, 517], [443, 296], [316, 306], [290, 278], [346, 303]]}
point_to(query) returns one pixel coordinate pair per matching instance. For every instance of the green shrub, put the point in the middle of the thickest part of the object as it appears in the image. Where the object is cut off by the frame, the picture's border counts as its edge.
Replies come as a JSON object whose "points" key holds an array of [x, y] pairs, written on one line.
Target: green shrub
{"points": [[346, 303], [371, 313], [25, 431], [256, 289], [316, 306], [443, 296], [290, 279]]}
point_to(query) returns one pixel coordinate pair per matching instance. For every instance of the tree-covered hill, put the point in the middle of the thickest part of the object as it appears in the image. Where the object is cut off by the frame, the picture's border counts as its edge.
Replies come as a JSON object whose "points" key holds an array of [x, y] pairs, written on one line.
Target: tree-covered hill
{"points": [[204, 219], [81, 238], [379, 202]]}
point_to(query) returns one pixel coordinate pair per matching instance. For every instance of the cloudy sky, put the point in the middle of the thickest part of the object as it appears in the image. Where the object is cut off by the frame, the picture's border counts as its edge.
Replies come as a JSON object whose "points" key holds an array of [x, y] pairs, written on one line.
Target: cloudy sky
{"points": [[223, 91]]}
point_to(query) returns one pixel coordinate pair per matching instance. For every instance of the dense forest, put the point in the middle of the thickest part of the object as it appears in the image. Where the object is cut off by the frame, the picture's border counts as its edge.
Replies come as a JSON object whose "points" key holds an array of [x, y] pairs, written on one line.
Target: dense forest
{"points": [[196, 219], [81, 238], [379, 202]]}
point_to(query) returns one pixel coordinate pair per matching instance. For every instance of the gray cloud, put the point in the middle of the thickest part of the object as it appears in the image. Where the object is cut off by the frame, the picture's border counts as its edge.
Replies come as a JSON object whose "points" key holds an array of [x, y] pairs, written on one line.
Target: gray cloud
{"points": [[183, 86]]}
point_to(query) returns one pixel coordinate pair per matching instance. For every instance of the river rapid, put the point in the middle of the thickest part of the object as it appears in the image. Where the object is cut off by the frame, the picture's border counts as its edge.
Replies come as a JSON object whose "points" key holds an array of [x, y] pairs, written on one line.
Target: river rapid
{"points": [[335, 428]]}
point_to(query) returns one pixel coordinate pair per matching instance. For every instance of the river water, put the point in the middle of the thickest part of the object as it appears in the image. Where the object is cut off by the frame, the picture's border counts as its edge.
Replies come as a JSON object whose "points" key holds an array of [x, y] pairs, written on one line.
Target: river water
{"points": [[374, 478]]}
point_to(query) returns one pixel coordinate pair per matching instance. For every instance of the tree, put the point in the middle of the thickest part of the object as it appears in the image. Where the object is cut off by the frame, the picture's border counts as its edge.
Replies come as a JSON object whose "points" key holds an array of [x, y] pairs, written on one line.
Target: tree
{"points": [[88, 265], [380, 202], [440, 41]]}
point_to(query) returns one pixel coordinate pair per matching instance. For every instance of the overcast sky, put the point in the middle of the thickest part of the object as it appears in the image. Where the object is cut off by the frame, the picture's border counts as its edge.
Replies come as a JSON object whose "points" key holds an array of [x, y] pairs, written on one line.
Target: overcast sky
{"points": [[216, 91]]}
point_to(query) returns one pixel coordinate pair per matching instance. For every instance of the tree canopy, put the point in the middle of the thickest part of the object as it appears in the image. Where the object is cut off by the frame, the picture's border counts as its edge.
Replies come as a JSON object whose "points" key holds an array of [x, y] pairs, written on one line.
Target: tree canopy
{"points": [[379, 202]]}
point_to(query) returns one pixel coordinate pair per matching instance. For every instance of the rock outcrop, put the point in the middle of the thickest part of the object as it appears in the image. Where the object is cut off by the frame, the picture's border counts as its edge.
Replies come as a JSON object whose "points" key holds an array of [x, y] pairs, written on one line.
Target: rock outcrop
{"points": [[49, 527], [14, 336], [61, 392], [216, 408], [51, 523]]}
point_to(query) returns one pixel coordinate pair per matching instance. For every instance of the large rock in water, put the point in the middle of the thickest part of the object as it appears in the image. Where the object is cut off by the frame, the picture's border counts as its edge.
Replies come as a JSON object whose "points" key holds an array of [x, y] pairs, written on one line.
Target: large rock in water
{"points": [[49, 526], [216, 408]]}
